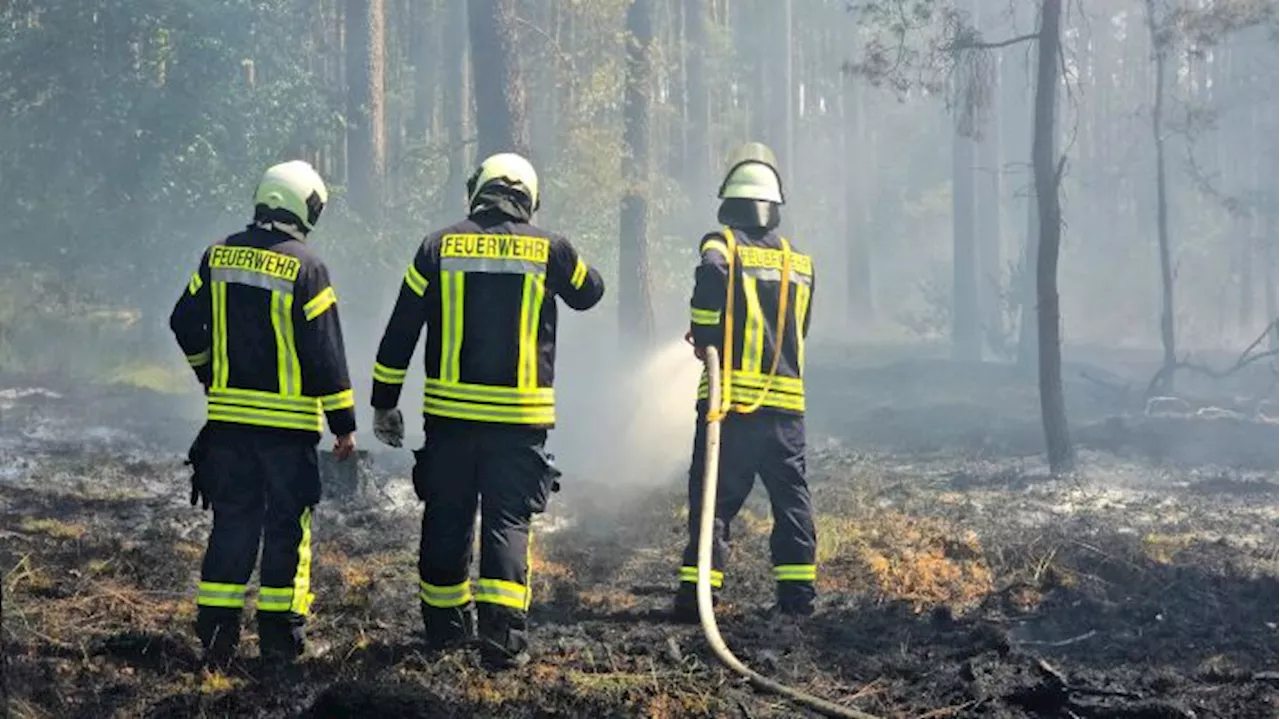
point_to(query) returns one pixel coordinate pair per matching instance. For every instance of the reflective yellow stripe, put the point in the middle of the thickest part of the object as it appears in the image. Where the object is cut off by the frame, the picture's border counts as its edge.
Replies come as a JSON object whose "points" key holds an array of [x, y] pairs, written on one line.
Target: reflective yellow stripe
{"points": [[217, 594], [195, 284], [579, 274], [704, 317], [199, 359], [753, 332], [414, 280], [690, 575], [477, 412], [444, 597], [264, 418], [275, 599], [218, 295], [530, 316], [528, 569], [302, 596], [318, 304], [489, 394], [288, 368], [339, 400], [451, 299], [802, 311], [714, 246], [388, 375], [795, 572], [502, 592], [264, 400], [775, 383]]}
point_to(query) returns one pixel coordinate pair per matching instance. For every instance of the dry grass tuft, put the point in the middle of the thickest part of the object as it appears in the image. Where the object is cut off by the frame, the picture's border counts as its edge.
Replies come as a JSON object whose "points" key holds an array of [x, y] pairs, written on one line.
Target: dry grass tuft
{"points": [[604, 599], [52, 528], [921, 560], [214, 682], [1164, 548]]}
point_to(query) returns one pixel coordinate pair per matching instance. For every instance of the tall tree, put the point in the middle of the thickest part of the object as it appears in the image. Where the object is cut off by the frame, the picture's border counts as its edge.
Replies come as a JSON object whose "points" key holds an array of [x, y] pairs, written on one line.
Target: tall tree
{"points": [[635, 303], [1160, 51], [502, 123], [455, 98], [987, 203], [426, 58], [857, 153], [966, 322], [697, 170], [781, 96], [1048, 177], [366, 108]]}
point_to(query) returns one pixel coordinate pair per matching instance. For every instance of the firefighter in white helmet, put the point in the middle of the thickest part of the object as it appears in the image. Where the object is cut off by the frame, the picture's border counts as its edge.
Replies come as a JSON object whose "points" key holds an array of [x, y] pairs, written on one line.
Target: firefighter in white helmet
{"points": [[486, 288], [751, 301], [259, 324]]}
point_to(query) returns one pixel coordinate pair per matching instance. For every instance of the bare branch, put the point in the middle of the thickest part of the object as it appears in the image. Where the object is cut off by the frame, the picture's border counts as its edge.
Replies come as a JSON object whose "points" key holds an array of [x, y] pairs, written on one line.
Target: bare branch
{"points": [[979, 45]]}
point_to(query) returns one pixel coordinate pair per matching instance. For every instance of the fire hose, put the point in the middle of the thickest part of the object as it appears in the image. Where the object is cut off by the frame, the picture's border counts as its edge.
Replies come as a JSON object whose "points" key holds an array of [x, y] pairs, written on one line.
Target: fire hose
{"points": [[706, 613]]}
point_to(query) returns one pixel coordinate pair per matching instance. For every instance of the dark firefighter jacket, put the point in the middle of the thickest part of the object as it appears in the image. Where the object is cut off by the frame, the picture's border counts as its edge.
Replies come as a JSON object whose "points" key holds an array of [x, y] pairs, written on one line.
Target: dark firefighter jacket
{"points": [[486, 288], [259, 325], [756, 261]]}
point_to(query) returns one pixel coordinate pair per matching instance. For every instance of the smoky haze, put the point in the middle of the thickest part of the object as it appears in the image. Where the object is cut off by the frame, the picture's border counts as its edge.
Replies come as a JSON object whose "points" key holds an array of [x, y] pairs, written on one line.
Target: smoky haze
{"points": [[122, 158]]}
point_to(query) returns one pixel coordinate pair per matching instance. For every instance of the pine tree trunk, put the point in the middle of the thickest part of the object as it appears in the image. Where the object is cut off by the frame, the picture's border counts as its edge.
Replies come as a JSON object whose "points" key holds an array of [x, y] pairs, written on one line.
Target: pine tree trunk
{"points": [[635, 303], [698, 185], [860, 288], [502, 124], [987, 207], [966, 336], [366, 108], [455, 100], [1162, 203], [1053, 410], [426, 59]]}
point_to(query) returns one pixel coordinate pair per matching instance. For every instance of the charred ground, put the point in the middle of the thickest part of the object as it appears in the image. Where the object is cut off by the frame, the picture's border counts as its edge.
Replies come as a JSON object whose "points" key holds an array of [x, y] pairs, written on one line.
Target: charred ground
{"points": [[958, 578]]}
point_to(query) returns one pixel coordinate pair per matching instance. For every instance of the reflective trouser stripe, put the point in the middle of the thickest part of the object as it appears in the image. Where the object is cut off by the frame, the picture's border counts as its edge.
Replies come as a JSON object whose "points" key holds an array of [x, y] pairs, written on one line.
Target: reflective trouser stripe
{"points": [[302, 596], [215, 594], [690, 575], [444, 597], [502, 592], [795, 572], [275, 599]]}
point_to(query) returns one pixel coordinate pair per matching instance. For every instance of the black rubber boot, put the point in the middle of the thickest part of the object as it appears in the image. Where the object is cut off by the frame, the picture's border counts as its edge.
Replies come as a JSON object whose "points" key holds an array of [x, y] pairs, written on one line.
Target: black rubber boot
{"points": [[795, 599], [219, 632], [685, 607], [281, 637], [504, 640], [448, 628]]}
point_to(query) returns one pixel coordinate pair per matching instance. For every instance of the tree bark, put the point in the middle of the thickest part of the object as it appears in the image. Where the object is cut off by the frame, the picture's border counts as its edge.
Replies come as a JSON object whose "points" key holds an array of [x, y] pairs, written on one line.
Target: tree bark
{"points": [[425, 55], [698, 170], [860, 288], [366, 108], [502, 124], [635, 303], [966, 336], [781, 96], [1160, 49], [454, 100], [1048, 175], [987, 209]]}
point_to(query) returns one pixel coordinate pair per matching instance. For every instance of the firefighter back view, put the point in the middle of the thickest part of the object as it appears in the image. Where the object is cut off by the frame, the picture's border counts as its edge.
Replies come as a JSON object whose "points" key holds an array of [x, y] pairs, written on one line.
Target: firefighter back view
{"points": [[751, 299], [259, 325], [486, 289]]}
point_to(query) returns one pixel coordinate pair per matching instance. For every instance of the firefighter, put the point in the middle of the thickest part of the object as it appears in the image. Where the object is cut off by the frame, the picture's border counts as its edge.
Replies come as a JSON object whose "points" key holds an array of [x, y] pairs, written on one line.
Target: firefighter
{"points": [[259, 325], [751, 299], [486, 288]]}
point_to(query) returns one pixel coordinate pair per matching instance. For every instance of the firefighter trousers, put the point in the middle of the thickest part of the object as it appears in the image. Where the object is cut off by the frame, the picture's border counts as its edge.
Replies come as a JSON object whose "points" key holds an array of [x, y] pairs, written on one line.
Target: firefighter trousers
{"points": [[507, 474], [263, 487], [772, 445]]}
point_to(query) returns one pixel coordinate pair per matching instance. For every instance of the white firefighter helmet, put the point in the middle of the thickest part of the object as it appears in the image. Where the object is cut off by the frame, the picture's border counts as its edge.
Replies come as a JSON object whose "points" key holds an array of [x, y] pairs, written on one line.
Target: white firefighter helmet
{"points": [[509, 169], [296, 188], [752, 175]]}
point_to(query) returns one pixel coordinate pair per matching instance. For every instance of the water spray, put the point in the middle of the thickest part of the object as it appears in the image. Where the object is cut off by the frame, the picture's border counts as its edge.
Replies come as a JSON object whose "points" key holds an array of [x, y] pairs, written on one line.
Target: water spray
{"points": [[706, 613]]}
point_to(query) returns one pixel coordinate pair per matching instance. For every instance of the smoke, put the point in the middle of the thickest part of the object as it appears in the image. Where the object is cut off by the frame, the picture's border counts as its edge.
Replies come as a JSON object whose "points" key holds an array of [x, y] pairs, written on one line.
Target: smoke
{"points": [[630, 427]]}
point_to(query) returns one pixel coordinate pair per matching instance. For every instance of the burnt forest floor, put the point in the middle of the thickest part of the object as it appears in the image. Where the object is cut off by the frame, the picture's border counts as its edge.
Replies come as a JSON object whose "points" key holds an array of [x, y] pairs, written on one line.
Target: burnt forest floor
{"points": [[957, 578]]}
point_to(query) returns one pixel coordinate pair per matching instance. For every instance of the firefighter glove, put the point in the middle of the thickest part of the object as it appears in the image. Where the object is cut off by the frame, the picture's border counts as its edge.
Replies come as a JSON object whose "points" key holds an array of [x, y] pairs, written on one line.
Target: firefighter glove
{"points": [[388, 427], [195, 460]]}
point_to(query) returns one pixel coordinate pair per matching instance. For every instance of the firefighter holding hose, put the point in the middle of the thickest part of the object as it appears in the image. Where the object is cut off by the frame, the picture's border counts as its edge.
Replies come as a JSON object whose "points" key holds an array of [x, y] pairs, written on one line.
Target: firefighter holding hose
{"points": [[486, 289], [258, 322], [751, 301]]}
